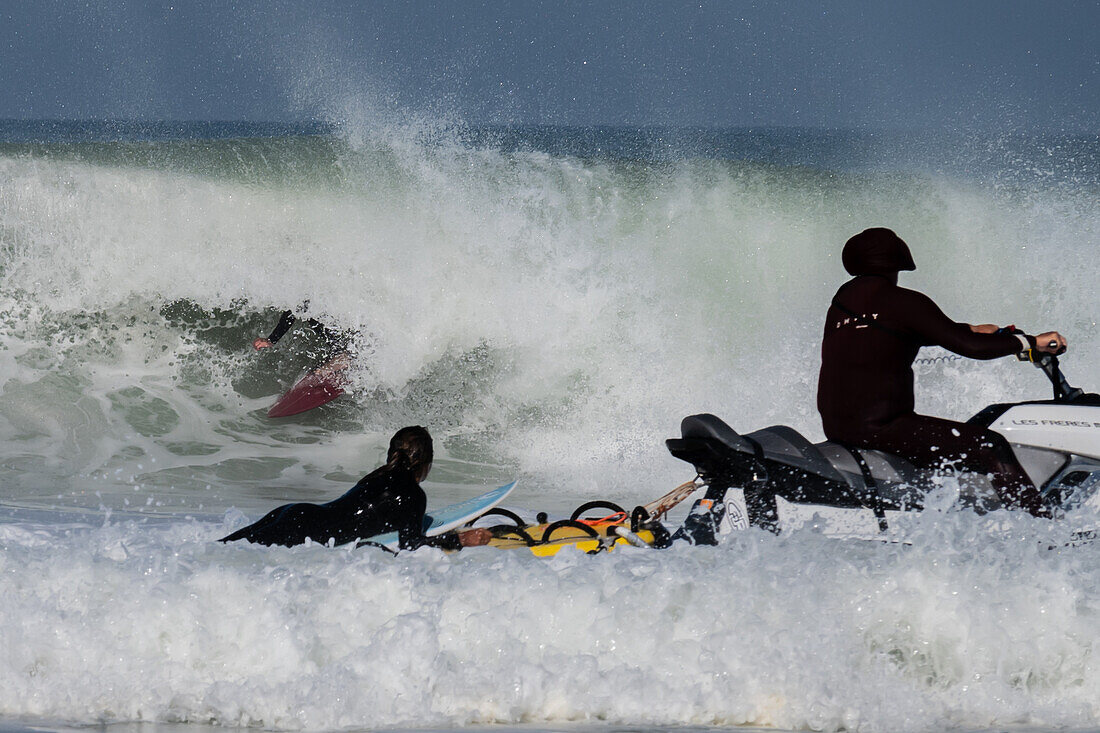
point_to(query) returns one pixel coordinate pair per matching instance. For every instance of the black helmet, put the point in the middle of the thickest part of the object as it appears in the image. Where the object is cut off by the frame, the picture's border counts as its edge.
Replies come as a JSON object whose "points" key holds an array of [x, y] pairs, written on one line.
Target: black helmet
{"points": [[876, 251]]}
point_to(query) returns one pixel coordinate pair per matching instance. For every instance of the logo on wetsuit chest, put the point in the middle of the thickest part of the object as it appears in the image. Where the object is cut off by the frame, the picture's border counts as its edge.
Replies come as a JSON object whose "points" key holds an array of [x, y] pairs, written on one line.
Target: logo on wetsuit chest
{"points": [[863, 320]]}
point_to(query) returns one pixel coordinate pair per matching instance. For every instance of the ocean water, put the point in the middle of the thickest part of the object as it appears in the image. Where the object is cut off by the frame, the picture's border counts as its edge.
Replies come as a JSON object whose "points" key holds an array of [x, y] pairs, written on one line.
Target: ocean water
{"points": [[549, 303]]}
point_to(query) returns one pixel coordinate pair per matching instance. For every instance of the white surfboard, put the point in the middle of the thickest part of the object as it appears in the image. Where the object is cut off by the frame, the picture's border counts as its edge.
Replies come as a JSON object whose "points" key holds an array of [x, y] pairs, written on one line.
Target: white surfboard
{"points": [[447, 518]]}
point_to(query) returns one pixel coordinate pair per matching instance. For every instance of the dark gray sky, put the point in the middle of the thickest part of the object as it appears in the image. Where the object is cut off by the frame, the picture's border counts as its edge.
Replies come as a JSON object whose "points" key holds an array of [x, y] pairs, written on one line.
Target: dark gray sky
{"points": [[989, 64]]}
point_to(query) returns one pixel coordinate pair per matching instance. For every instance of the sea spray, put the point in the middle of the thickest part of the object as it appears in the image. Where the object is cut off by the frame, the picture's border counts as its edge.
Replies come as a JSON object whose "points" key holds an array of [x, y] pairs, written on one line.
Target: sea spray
{"points": [[554, 314], [550, 311]]}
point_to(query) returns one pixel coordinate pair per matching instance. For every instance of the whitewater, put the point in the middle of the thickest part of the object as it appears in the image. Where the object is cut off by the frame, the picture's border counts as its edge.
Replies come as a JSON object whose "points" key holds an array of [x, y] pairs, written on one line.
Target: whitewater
{"points": [[549, 303]]}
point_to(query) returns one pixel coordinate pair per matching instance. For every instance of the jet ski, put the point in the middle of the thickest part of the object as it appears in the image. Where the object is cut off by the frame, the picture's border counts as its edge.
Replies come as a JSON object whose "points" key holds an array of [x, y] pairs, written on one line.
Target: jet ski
{"points": [[775, 478]]}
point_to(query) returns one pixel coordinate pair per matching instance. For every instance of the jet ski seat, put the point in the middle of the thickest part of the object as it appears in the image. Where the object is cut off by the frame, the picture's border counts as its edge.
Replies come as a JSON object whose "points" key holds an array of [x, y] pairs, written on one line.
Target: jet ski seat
{"points": [[788, 445], [800, 471], [777, 442]]}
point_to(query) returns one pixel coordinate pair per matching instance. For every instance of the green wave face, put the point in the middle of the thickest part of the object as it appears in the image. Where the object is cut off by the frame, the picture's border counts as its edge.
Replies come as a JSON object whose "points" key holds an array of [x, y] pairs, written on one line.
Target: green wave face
{"points": [[549, 302]]}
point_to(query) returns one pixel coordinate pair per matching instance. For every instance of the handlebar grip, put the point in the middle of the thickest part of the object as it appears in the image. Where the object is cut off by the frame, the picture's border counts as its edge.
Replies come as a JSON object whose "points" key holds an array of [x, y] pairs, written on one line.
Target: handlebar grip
{"points": [[1034, 355]]}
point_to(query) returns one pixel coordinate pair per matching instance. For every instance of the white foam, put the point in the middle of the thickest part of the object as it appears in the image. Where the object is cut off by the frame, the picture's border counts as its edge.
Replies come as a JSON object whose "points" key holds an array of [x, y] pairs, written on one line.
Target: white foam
{"points": [[975, 625], [546, 317]]}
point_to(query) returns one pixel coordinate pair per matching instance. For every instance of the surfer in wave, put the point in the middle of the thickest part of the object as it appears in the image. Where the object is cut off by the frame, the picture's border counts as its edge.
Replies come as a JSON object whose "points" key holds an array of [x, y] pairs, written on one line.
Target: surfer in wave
{"points": [[389, 499], [332, 363], [335, 341]]}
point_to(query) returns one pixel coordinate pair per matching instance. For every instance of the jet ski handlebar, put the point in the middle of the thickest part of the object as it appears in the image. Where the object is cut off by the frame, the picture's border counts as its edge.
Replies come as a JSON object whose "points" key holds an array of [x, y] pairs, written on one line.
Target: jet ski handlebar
{"points": [[1048, 362], [1063, 392]]}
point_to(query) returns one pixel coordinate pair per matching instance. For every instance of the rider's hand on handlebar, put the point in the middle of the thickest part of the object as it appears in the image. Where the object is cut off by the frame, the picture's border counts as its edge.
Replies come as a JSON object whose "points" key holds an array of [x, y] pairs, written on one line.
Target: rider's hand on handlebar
{"points": [[1050, 342]]}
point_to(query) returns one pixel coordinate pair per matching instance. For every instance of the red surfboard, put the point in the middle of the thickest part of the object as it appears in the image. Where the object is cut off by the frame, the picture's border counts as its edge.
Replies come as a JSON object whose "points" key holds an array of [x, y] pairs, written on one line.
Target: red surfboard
{"points": [[320, 386]]}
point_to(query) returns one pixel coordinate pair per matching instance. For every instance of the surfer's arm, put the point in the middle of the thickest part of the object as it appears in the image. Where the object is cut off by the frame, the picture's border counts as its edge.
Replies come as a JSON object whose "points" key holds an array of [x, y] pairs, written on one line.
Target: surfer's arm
{"points": [[445, 541], [286, 320], [450, 541]]}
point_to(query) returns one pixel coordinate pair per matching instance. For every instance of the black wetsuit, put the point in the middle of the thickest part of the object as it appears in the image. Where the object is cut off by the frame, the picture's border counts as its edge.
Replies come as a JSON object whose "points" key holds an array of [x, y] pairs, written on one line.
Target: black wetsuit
{"points": [[386, 500], [335, 340], [873, 331]]}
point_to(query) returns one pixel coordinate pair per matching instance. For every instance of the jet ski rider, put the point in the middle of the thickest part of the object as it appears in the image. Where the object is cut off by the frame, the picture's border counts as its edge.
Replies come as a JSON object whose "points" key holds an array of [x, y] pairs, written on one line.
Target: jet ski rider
{"points": [[873, 331]]}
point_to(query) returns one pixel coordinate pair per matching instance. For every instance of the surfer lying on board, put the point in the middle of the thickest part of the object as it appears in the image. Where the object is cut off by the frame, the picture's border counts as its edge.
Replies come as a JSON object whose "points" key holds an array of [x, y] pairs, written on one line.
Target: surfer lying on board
{"points": [[389, 499], [873, 331]]}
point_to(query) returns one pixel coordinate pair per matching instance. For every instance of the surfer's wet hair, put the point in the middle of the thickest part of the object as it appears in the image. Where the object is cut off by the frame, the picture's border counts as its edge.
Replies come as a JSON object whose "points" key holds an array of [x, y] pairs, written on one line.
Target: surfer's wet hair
{"points": [[413, 445]]}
